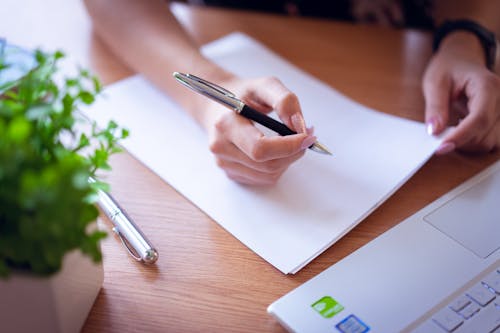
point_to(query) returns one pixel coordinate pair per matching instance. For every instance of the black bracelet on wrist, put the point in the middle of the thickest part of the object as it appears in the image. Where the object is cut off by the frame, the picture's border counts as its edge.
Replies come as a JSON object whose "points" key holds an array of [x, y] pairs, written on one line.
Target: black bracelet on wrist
{"points": [[486, 37]]}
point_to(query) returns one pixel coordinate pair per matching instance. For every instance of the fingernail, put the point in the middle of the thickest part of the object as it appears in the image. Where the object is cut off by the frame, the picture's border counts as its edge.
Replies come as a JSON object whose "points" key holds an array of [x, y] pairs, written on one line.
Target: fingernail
{"points": [[310, 130], [308, 141], [432, 125], [445, 148], [298, 122]]}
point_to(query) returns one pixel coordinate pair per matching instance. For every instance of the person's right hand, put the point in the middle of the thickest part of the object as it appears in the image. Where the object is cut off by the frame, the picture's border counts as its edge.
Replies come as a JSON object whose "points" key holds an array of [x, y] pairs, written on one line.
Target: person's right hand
{"points": [[243, 151]]}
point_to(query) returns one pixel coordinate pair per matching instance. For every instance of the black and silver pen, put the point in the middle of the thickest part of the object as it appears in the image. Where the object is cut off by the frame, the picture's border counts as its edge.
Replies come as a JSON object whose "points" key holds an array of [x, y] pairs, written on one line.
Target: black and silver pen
{"points": [[228, 99], [136, 243]]}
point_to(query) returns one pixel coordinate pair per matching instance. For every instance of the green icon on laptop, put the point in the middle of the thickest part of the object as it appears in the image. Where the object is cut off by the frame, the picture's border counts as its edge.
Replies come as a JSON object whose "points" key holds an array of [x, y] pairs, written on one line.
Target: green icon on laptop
{"points": [[327, 307]]}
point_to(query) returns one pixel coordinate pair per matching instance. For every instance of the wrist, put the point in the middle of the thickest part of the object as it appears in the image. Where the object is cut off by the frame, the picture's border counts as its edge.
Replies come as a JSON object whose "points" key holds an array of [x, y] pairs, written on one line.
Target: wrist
{"points": [[463, 28], [463, 44]]}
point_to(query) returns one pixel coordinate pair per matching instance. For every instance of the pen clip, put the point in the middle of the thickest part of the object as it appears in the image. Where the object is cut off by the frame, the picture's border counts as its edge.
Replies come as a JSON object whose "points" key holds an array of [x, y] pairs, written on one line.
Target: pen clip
{"points": [[214, 86], [127, 245], [210, 90]]}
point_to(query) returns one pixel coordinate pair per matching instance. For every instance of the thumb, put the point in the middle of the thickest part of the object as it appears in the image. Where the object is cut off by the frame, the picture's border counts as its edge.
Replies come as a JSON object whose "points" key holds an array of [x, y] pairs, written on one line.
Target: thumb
{"points": [[437, 92]]}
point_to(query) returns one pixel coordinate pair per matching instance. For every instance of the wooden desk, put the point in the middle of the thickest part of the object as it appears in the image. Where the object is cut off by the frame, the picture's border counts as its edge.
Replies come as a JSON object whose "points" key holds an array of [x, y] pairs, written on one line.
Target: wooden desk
{"points": [[206, 280]]}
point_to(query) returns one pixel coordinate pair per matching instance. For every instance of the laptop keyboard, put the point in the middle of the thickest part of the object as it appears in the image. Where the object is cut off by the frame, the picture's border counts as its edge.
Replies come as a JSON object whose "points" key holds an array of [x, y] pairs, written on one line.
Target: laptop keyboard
{"points": [[477, 310]]}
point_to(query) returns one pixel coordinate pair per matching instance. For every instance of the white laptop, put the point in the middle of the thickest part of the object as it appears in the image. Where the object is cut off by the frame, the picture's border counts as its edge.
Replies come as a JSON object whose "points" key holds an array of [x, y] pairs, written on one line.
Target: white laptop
{"points": [[437, 271]]}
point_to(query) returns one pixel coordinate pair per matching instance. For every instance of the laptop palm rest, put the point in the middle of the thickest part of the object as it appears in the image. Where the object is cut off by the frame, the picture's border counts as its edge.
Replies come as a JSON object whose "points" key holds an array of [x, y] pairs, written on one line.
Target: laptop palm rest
{"points": [[473, 217]]}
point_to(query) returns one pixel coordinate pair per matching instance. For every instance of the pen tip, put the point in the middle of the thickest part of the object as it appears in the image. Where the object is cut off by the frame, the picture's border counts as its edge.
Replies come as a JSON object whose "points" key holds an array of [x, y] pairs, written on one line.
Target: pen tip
{"points": [[320, 148]]}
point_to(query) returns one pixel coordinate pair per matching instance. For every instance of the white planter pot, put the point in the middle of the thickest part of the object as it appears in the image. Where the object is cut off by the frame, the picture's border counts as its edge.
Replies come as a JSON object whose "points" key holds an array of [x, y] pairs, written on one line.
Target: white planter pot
{"points": [[55, 304]]}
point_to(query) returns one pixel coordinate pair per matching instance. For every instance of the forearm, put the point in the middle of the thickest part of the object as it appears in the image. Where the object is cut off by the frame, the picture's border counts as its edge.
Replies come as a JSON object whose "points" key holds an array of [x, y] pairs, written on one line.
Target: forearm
{"points": [[149, 39]]}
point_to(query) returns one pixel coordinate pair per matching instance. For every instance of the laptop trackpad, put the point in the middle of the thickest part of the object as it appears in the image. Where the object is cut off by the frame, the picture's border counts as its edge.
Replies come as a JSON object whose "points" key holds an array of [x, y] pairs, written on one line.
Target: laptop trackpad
{"points": [[473, 217]]}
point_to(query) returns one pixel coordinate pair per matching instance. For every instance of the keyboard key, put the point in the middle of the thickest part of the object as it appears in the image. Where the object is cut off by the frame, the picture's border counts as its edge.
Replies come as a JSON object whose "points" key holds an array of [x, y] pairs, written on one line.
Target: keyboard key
{"points": [[486, 321], [459, 303], [480, 294], [469, 310], [493, 281], [447, 319], [429, 326]]}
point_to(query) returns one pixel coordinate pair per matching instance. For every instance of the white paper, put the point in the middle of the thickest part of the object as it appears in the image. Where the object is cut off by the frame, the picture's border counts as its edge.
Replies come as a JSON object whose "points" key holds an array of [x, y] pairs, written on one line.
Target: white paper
{"points": [[318, 199]]}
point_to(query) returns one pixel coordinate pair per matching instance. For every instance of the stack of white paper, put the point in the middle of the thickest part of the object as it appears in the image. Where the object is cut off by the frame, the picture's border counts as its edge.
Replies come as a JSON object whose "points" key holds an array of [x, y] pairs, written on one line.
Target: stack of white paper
{"points": [[317, 201]]}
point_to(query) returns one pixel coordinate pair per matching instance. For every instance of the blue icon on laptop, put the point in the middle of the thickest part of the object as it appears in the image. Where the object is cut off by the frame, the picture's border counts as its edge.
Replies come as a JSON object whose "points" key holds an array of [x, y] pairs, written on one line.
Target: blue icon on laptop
{"points": [[352, 324]]}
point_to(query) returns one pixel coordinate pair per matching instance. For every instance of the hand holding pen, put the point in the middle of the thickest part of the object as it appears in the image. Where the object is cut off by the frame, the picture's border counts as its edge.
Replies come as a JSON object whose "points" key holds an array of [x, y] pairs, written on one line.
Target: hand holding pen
{"points": [[242, 151]]}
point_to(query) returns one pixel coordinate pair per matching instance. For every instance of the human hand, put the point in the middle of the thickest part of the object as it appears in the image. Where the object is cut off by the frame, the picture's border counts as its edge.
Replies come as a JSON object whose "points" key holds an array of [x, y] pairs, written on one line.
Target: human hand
{"points": [[241, 150], [459, 89]]}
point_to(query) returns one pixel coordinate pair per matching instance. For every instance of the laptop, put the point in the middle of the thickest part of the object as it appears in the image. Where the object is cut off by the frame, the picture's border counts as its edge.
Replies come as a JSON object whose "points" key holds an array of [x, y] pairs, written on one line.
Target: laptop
{"points": [[437, 271]]}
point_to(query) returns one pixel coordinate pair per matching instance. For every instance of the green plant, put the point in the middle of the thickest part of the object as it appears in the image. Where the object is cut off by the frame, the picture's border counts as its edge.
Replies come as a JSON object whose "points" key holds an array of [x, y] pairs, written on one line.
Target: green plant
{"points": [[46, 201]]}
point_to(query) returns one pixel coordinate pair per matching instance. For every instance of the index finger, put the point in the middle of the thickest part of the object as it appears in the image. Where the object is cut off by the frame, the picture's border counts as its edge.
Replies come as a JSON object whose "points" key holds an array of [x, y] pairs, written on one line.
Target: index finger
{"points": [[271, 91], [477, 123]]}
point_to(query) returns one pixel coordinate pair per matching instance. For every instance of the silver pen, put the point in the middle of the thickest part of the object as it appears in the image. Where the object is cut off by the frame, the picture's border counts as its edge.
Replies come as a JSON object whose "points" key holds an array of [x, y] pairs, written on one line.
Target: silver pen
{"points": [[229, 100], [136, 243]]}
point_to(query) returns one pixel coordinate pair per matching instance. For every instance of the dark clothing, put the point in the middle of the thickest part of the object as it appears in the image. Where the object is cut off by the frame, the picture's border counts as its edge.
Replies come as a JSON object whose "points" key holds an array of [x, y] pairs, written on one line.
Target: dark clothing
{"points": [[415, 13]]}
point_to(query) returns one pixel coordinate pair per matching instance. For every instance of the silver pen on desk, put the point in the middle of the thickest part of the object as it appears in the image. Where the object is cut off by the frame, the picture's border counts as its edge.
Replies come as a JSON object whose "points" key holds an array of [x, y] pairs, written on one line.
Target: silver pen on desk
{"points": [[136, 243]]}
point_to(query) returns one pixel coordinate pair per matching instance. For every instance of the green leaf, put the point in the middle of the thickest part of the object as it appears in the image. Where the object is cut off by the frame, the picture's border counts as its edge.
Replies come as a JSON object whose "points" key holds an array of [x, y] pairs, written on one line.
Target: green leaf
{"points": [[97, 84], [125, 133], [19, 129], [86, 97], [58, 54], [83, 141]]}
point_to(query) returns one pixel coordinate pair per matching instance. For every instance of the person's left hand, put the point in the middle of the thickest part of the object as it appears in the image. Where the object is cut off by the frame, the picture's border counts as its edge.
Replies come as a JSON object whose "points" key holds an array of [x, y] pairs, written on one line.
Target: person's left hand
{"points": [[459, 90]]}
